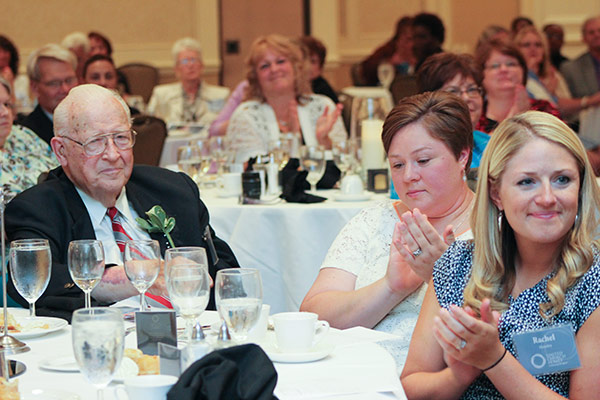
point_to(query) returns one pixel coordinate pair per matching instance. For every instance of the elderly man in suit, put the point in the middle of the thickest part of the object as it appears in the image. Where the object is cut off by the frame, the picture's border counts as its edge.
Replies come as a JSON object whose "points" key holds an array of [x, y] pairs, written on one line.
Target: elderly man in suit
{"points": [[96, 185], [583, 73], [51, 72], [191, 100]]}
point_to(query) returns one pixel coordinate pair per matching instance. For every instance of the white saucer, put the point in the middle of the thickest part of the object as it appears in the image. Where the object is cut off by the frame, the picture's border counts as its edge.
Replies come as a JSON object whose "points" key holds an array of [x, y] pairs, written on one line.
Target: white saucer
{"points": [[48, 394], [225, 195], [60, 364], [127, 369], [318, 352], [353, 197]]}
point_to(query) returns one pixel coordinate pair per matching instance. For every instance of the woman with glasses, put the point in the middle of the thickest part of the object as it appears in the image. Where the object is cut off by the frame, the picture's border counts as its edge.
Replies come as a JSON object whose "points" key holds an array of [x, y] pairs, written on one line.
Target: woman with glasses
{"points": [[191, 100], [23, 155], [544, 81], [457, 74], [504, 78]]}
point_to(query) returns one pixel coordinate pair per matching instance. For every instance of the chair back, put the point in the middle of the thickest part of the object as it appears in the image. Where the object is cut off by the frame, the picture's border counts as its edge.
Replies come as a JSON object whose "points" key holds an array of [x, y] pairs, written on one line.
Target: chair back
{"points": [[151, 135], [141, 78], [356, 72], [403, 86]]}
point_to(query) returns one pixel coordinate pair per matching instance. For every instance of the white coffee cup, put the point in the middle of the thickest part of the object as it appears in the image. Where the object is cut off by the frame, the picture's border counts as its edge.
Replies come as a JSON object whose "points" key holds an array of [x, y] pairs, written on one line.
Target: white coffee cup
{"points": [[298, 332], [231, 184], [258, 331], [146, 387], [352, 185]]}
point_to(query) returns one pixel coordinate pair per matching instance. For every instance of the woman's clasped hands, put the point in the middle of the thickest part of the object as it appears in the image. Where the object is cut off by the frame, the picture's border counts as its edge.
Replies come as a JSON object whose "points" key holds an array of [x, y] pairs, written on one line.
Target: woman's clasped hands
{"points": [[419, 244], [470, 344]]}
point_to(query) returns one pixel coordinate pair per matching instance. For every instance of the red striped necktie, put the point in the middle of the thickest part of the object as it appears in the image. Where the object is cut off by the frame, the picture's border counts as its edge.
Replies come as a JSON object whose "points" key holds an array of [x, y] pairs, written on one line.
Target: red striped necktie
{"points": [[121, 237]]}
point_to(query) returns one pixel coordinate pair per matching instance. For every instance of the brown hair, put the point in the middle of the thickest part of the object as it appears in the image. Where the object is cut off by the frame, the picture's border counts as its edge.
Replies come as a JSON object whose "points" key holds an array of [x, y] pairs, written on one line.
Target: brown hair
{"points": [[442, 67], [284, 46], [485, 51], [445, 116], [315, 46]]}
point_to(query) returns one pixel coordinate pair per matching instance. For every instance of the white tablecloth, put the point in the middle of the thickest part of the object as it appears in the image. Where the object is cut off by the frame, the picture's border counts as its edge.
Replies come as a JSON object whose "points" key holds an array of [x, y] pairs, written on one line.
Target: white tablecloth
{"points": [[357, 368], [287, 242]]}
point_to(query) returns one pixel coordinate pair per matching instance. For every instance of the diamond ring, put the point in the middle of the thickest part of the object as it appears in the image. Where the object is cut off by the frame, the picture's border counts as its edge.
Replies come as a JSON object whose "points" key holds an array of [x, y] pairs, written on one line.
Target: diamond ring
{"points": [[462, 344], [417, 252]]}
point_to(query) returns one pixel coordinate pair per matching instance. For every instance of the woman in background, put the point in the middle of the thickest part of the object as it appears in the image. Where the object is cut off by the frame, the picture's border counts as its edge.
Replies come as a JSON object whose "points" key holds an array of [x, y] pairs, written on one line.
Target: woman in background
{"points": [[280, 100], [24, 156], [457, 74], [534, 265]]}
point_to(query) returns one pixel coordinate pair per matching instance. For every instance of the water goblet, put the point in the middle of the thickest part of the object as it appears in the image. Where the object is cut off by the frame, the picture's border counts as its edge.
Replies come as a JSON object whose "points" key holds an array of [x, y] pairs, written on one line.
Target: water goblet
{"points": [[238, 295], [142, 265], [345, 156], [189, 161], [30, 266], [98, 341], [86, 265], [313, 161], [188, 282]]}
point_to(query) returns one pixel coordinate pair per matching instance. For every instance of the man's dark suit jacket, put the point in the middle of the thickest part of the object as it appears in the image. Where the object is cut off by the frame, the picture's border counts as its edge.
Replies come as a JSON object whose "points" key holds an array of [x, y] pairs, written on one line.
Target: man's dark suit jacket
{"points": [[39, 122], [54, 210]]}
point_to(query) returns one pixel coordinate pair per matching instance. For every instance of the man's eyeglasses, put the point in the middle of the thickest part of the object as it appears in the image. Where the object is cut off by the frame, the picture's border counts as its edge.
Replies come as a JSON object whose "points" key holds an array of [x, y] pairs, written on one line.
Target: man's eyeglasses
{"points": [[56, 83], [186, 61], [96, 145], [471, 91]]}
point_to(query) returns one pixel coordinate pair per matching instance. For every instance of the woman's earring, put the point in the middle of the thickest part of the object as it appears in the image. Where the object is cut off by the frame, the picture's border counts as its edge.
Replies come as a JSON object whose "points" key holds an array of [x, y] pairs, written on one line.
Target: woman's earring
{"points": [[500, 216], [464, 176], [576, 218]]}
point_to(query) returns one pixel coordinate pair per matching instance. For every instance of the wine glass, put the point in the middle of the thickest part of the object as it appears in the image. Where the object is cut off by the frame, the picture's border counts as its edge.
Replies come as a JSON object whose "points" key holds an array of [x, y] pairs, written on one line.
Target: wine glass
{"points": [[98, 340], [189, 161], [142, 265], [345, 156], [188, 282], [238, 294], [313, 161], [30, 266], [86, 265]]}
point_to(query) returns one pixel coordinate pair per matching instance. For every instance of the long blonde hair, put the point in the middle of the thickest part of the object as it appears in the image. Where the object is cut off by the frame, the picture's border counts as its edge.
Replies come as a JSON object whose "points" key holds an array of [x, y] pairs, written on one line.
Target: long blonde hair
{"points": [[493, 272]]}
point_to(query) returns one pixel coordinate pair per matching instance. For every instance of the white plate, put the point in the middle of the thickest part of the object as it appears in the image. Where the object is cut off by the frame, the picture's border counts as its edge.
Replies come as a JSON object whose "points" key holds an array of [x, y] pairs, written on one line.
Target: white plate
{"points": [[48, 394], [60, 364], [318, 352], [352, 197], [32, 327], [127, 369]]}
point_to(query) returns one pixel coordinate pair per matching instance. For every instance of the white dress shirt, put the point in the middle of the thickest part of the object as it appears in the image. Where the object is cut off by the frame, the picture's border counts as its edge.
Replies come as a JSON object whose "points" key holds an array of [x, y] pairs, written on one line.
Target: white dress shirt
{"points": [[103, 225]]}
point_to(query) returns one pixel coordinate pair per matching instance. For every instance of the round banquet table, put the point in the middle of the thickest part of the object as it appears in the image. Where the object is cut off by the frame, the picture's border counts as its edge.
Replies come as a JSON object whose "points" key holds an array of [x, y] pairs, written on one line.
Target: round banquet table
{"points": [[287, 242], [356, 368]]}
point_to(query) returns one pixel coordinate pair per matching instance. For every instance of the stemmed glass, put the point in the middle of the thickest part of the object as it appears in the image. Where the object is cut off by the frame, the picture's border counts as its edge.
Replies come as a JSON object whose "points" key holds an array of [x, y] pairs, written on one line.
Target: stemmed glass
{"points": [[188, 282], [238, 295], [142, 265], [30, 266], [189, 160], [98, 342], [313, 161], [345, 156], [86, 265]]}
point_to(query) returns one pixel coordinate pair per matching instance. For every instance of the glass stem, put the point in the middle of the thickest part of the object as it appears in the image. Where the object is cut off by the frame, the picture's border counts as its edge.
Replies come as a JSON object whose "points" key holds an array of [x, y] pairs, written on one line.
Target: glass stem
{"points": [[143, 301], [100, 394], [32, 309], [88, 300], [313, 187]]}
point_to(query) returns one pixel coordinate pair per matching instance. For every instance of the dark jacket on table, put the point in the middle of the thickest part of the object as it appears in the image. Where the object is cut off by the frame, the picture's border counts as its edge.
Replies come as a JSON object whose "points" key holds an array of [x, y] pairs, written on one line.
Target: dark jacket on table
{"points": [[54, 210], [39, 122]]}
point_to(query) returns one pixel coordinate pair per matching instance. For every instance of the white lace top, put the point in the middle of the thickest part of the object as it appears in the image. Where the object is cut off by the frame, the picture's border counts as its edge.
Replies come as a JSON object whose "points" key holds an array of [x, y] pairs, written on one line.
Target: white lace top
{"points": [[363, 248], [253, 125]]}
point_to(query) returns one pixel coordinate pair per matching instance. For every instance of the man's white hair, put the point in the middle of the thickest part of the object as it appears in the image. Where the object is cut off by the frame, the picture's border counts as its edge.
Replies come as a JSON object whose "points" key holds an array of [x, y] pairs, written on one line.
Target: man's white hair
{"points": [[51, 51], [186, 43], [82, 97], [76, 40]]}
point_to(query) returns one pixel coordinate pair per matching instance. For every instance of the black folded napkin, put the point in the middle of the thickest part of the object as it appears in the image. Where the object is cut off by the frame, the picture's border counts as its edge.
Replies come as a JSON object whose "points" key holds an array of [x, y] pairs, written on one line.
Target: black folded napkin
{"points": [[294, 184], [330, 177], [240, 372]]}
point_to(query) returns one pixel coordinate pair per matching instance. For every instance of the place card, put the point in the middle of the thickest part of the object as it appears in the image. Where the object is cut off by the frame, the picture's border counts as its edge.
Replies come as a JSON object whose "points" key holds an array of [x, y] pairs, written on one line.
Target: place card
{"points": [[153, 327], [547, 351], [170, 359]]}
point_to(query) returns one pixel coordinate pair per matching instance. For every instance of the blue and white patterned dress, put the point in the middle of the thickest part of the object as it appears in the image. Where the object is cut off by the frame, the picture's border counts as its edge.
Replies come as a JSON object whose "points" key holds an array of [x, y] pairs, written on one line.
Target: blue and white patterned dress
{"points": [[24, 157], [450, 276]]}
